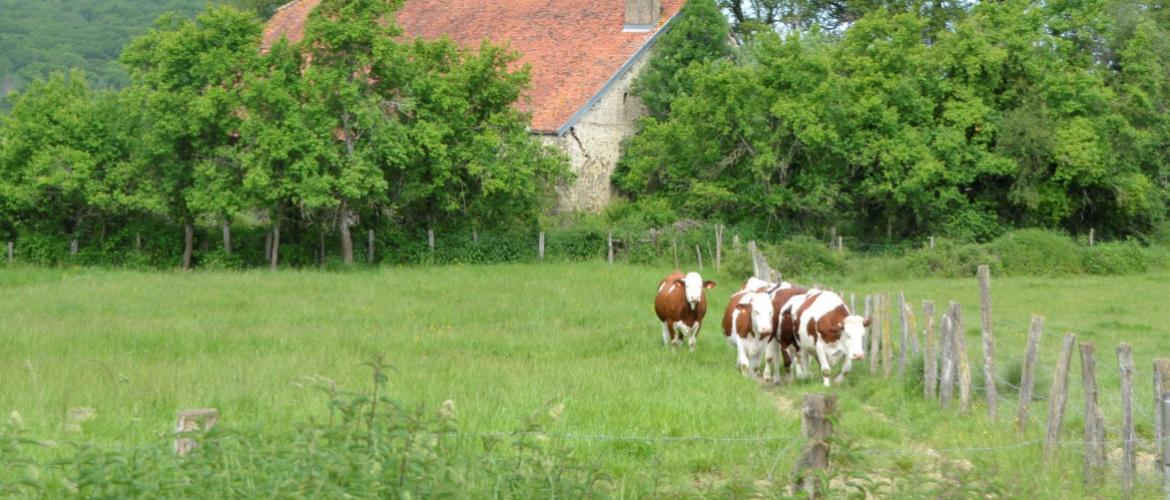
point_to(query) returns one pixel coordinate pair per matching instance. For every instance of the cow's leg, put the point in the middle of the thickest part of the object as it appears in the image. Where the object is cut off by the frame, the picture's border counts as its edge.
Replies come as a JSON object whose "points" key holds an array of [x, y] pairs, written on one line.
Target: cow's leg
{"points": [[665, 333], [741, 359], [694, 336], [823, 358], [844, 369], [769, 360], [802, 370], [677, 334]]}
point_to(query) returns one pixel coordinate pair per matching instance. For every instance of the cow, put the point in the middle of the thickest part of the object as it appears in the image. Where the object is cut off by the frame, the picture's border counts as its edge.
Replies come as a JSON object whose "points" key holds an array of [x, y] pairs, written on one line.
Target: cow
{"points": [[824, 326], [783, 341], [760, 285], [681, 304], [748, 326]]}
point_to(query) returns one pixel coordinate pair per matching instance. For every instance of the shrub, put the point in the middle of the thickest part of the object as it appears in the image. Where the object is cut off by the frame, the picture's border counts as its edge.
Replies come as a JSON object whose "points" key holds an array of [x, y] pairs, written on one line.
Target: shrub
{"points": [[1121, 257], [950, 259], [1037, 252], [805, 256]]}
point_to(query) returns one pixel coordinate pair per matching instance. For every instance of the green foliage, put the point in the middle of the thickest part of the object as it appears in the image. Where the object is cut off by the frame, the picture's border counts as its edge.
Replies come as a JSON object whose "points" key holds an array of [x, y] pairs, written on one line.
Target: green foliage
{"points": [[1117, 257], [805, 256], [699, 34], [1037, 252], [951, 259]]}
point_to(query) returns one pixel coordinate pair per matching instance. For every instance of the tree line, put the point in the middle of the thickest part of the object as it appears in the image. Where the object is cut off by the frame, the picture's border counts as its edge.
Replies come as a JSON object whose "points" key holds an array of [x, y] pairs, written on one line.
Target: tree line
{"points": [[353, 127], [892, 119]]}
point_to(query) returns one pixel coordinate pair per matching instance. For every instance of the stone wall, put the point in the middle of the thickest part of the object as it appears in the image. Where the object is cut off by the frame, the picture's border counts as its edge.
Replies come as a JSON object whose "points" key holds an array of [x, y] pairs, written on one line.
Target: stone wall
{"points": [[594, 144]]}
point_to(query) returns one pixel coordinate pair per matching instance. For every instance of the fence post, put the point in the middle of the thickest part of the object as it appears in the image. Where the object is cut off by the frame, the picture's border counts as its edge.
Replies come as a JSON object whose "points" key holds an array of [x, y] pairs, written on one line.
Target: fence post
{"points": [[840, 243], [817, 425], [475, 236], [654, 240], [1091, 231], [1161, 386], [10, 248], [929, 352], [1128, 457], [1164, 448], [201, 419], [1094, 419], [699, 256], [915, 348], [875, 350], [963, 368], [887, 341], [718, 246], [932, 242], [540, 246], [946, 388], [989, 389], [431, 239], [370, 247], [609, 243], [73, 246], [905, 334], [853, 304], [1058, 396], [1028, 377]]}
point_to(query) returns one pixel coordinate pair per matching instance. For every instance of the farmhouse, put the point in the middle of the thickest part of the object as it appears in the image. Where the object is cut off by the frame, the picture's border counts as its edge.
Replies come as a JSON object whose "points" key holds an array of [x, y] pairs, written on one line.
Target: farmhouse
{"points": [[584, 56]]}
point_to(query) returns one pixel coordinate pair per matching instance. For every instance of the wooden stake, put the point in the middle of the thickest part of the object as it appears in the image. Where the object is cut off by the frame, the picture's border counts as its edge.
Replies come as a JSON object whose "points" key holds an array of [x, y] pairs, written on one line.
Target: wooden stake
{"points": [[674, 243], [929, 352], [963, 364], [699, 256], [718, 246], [887, 341], [609, 243], [905, 334], [1058, 396], [1161, 386], [874, 333], [431, 239], [1027, 378], [1094, 419], [540, 246], [1164, 448], [946, 380], [1129, 456], [989, 389], [817, 425]]}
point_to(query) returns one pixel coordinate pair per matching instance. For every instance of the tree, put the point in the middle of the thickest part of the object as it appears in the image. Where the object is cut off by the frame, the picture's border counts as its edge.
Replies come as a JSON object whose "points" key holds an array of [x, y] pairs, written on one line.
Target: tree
{"points": [[700, 34], [189, 72]]}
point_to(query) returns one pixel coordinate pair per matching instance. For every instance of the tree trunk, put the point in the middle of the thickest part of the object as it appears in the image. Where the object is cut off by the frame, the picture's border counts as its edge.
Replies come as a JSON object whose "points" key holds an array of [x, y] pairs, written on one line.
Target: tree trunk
{"points": [[346, 239], [227, 236], [275, 257], [188, 243]]}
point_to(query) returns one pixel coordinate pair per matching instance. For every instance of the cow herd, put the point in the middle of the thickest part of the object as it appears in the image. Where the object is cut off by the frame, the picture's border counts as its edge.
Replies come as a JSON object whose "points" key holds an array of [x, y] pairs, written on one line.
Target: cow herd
{"points": [[772, 321]]}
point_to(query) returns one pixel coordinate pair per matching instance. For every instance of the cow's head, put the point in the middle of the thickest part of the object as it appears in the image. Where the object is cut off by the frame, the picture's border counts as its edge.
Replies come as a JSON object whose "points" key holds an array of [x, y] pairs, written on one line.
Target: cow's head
{"points": [[760, 306], [694, 285], [854, 334]]}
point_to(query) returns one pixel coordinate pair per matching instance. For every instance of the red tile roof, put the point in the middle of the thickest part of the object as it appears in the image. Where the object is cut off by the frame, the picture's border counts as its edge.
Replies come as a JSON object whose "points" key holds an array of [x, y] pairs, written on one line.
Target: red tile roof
{"points": [[574, 47]]}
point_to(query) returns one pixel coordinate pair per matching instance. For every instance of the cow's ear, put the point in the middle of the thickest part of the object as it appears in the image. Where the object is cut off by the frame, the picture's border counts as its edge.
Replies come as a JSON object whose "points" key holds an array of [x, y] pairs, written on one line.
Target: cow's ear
{"points": [[708, 284], [743, 307], [867, 321]]}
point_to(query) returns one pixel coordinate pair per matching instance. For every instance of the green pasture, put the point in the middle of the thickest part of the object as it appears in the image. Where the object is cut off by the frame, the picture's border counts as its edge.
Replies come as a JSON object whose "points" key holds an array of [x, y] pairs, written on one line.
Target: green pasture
{"points": [[506, 341]]}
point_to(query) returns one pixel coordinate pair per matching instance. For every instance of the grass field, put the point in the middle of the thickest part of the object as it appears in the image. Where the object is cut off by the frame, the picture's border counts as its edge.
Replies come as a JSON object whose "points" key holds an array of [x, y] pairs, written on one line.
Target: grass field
{"points": [[505, 341]]}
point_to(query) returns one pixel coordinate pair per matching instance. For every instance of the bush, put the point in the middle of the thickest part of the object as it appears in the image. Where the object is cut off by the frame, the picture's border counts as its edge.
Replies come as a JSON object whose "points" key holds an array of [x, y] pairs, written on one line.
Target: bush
{"points": [[805, 256], [1037, 252], [950, 259], [1121, 257]]}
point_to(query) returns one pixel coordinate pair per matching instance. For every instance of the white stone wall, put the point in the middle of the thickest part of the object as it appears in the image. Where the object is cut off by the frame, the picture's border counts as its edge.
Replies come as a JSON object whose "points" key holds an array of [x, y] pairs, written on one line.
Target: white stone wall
{"points": [[594, 144]]}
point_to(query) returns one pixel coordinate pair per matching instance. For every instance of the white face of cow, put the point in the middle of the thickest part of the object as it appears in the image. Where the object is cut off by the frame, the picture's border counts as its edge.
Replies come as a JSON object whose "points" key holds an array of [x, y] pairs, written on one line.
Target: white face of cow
{"points": [[761, 313], [854, 336], [694, 288]]}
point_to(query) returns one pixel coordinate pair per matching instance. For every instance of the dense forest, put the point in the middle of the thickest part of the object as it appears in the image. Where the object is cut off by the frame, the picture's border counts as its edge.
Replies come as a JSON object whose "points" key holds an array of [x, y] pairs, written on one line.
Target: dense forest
{"points": [[40, 37]]}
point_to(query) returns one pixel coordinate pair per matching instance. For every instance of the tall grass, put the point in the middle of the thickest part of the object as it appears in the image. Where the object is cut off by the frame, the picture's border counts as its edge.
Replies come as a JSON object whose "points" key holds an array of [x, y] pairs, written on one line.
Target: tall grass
{"points": [[506, 341]]}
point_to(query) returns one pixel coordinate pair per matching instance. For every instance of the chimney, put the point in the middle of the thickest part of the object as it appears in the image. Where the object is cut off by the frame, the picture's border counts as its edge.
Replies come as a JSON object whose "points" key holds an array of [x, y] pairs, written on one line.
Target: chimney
{"points": [[642, 15]]}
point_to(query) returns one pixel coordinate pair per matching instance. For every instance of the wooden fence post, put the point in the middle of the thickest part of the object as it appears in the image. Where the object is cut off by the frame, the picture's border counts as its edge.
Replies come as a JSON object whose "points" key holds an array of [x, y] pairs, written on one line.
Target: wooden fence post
{"points": [[1129, 455], [201, 419], [654, 240], [817, 426], [370, 247], [1164, 445], [946, 388], [932, 242], [1091, 231], [840, 243], [699, 256], [905, 334], [963, 363], [875, 350], [609, 243], [10, 251], [718, 246], [1027, 378], [431, 239], [1094, 418], [929, 352], [540, 246], [1058, 396], [887, 341], [1161, 386], [989, 389]]}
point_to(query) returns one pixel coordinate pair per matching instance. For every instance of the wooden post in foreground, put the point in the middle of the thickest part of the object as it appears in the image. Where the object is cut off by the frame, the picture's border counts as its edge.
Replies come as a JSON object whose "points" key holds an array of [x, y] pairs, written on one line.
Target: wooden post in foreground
{"points": [[609, 243], [431, 239], [817, 426], [946, 388], [962, 363], [930, 352], [874, 345], [1094, 419], [1161, 386], [201, 419], [1058, 396], [1164, 445], [540, 246], [989, 389], [905, 334], [1129, 454], [887, 342], [1027, 378]]}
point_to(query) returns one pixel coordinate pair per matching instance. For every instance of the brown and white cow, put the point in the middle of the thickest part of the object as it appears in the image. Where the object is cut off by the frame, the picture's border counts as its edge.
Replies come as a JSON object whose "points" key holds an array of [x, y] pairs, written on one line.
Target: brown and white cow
{"points": [[681, 304], [748, 326], [824, 326], [760, 285], [783, 344]]}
